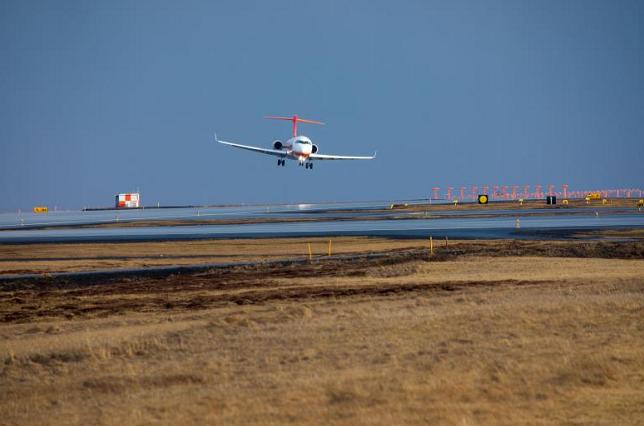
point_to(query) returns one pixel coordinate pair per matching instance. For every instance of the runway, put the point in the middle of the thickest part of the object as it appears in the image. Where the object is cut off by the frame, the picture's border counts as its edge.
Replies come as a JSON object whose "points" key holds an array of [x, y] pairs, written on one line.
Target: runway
{"points": [[74, 217], [27, 220]]}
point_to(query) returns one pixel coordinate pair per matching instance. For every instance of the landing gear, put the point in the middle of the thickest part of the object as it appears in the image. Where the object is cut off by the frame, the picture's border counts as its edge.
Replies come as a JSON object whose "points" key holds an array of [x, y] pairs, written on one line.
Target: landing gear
{"points": [[308, 165], [281, 162]]}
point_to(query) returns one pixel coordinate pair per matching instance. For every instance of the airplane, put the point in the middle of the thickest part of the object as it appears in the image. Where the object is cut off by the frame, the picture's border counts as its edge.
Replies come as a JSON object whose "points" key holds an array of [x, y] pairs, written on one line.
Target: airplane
{"points": [[298, 147]]}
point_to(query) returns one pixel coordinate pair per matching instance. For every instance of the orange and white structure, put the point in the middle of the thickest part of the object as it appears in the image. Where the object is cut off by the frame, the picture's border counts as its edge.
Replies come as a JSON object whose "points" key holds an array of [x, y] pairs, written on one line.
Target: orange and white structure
{"points": [[128, 200]]}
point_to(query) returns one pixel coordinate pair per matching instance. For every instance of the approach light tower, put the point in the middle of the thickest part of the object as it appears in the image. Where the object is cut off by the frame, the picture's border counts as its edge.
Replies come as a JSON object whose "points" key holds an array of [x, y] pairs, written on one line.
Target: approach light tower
{"points": [[436, 193]]}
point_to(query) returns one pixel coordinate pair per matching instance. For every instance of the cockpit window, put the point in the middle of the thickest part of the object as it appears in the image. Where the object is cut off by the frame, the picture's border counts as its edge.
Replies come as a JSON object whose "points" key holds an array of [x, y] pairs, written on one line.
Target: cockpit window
{"points": [[305, 142]]}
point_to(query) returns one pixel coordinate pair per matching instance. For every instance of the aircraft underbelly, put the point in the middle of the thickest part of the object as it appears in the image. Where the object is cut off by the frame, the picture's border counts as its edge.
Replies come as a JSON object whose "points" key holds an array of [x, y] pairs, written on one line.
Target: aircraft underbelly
{"points": [[299, 155]]}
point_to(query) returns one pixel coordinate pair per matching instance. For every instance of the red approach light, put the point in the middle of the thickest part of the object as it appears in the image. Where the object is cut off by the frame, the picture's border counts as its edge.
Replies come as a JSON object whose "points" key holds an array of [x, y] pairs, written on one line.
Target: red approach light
{"points": [[295, 119]]}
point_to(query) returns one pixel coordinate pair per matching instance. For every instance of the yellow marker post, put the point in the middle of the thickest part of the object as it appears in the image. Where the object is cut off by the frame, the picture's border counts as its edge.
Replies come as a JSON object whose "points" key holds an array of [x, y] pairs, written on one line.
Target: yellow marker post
{"points": [[446, 242], [431, 246], [330, 245], [310, 252]]}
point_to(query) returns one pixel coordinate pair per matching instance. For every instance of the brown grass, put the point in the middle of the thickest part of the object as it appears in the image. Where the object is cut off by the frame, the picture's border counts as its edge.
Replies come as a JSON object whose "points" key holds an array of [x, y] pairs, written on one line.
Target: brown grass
{"points": [[47, 258], [50, 258], [470, 339]]}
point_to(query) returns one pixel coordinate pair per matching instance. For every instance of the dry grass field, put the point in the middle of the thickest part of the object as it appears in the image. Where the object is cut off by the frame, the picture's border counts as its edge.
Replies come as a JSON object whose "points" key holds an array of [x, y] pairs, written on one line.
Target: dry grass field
{"points": [[48, 258], [483, 333], [60, 257]]}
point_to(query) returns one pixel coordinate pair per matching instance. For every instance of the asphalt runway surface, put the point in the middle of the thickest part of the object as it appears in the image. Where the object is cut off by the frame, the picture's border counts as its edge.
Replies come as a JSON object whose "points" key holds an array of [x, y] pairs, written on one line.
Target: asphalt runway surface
{"points": [[27, 220], [18, 220], [451, 223]]}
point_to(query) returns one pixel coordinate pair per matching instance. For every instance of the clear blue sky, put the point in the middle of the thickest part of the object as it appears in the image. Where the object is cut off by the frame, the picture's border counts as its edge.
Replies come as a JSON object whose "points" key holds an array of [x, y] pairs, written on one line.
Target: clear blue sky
{"points": [[106, 97]]}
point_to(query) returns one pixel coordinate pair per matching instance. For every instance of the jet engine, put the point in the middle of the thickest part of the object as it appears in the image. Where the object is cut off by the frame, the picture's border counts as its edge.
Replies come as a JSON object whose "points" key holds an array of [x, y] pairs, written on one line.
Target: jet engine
{"points": [[277, 145], [314, 148]]}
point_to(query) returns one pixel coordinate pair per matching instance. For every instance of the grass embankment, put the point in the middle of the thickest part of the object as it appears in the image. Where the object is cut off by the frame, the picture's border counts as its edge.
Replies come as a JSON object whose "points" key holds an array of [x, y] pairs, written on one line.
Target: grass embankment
{"points": [[515, 336], [49, 258]]}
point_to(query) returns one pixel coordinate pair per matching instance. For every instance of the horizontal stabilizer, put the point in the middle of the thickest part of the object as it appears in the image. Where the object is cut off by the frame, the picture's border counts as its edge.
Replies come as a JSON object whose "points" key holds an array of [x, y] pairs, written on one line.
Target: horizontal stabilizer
{"points": [[295, 119]]}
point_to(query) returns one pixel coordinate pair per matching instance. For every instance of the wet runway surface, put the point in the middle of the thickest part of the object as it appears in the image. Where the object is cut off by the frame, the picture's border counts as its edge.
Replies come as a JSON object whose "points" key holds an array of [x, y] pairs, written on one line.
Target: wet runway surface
{"points": [[63, 218], [450, 223]]}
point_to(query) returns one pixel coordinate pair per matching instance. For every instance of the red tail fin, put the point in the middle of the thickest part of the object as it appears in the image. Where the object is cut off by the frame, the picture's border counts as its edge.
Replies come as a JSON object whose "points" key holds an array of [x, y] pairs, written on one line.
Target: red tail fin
{"points": [[295, 119]]}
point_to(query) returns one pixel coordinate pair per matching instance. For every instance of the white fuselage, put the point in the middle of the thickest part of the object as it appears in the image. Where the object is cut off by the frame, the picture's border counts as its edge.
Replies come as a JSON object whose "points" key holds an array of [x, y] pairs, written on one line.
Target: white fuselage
{"points": [[299, 148]]}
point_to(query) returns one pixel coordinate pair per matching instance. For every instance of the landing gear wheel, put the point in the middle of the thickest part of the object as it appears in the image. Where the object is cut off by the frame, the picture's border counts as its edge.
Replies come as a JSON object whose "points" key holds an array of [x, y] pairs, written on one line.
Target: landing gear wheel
{"points": [[311, 166]]}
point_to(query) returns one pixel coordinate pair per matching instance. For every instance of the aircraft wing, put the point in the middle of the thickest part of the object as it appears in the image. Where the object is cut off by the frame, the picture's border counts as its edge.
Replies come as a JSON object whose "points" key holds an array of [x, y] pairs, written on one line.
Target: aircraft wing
{"points": [[340, 157], [275, 152]]}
